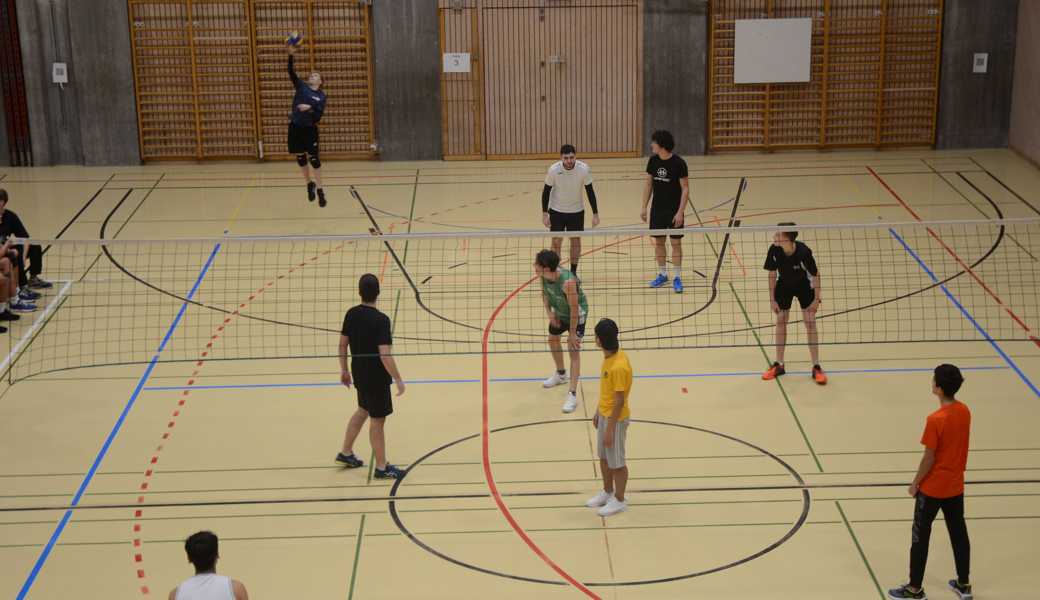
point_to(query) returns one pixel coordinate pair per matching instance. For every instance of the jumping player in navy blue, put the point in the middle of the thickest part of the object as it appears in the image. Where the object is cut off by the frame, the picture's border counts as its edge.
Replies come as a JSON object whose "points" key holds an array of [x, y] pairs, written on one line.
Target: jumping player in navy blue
{"points": [[308, 106]]}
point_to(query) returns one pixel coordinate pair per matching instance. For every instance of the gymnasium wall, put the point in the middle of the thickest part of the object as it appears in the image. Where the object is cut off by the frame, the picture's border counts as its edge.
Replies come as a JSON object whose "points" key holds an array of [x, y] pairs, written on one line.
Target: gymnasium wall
{"points": [[975, 108], [5, 147], [93, 119], [1025, 101], [406, 44], [675, 84]]}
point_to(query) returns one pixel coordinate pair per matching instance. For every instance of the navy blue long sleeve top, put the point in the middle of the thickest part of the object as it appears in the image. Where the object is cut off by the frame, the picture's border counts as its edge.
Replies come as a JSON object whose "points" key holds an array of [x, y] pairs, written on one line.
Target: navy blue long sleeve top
{"points": [[305, 95]]}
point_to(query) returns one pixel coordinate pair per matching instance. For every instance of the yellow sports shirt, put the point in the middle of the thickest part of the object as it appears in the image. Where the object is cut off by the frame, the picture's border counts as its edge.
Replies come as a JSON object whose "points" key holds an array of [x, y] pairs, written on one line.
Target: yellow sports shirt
{"points": [[616, 376]]}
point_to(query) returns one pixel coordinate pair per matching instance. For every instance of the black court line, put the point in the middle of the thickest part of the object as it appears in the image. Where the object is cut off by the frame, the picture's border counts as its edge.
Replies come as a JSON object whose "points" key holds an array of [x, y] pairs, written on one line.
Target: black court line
{"points": [[425, 280], [85, 206], [818, 486], [1004, 185], [458, 265], [794, 528], [503, 255], [718, 266]]}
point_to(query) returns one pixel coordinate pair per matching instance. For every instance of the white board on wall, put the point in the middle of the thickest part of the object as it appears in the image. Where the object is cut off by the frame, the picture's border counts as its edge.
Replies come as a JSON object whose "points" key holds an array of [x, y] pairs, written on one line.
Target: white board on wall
{"points": [[772, 51]]}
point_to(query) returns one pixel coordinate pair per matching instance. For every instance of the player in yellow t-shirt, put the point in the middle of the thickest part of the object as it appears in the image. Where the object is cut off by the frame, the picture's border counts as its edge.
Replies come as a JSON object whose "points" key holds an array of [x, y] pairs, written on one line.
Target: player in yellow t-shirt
{"points": [[611, 421]]}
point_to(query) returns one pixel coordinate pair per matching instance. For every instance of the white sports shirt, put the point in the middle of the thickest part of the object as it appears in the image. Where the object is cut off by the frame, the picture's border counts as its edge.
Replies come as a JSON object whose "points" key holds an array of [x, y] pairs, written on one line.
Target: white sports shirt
{"points": [[567, 186], [206, 586]]}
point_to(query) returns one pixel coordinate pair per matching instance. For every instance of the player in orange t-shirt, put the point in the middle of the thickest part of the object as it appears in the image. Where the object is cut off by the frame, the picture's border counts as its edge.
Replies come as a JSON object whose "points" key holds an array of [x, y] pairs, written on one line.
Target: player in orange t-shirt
{"points": [[939, 484]]}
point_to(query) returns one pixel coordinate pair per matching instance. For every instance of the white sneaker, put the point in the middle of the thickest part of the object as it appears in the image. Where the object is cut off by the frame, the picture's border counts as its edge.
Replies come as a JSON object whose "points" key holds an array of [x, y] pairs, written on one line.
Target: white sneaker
{"points": [[600, 499], [571, 403], [555, 379], [613, 507]]}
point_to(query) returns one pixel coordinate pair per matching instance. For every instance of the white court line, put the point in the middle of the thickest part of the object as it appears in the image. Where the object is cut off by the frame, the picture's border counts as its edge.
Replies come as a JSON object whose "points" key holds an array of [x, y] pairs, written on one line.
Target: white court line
{"points": [[36, 323]]}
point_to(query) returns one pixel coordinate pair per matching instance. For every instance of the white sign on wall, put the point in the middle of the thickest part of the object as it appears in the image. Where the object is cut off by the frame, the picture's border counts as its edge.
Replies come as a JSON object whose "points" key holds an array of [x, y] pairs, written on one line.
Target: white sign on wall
{"points": [[60, 73], [772, 51], [980, 63], [456, 63]]}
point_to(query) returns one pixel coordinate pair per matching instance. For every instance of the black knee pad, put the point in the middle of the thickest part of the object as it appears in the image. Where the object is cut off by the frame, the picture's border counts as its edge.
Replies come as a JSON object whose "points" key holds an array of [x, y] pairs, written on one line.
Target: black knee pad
{"points": [[315, 162], [301, 159]]}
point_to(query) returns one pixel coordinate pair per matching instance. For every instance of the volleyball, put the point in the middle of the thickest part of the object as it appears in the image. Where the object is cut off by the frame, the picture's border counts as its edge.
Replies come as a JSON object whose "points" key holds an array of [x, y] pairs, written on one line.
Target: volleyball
{"points": [[294, 39]]}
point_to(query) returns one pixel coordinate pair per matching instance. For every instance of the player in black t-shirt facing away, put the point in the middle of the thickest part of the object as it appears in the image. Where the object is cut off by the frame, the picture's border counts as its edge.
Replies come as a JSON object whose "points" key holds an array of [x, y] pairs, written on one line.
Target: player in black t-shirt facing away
{"points": [[366, 333], [793, 273], [667, 178]]}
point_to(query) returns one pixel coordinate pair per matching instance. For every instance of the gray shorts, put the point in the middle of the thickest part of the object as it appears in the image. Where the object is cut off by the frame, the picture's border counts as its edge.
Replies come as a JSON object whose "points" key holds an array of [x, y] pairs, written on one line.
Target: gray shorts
{"points": [[615, 454]]}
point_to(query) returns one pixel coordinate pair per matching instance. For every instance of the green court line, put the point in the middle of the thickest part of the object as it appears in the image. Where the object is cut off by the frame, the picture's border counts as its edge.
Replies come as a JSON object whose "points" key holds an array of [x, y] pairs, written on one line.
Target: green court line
{"points": [[357, 557], [631, 527], [780, 385], [404, 258], [371, 465], [860, 549], [5, 177]]}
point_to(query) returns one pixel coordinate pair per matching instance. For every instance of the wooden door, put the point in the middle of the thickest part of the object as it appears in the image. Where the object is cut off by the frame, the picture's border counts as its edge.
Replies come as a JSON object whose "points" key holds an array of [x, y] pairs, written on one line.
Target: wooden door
{"points": [[462, 94]]}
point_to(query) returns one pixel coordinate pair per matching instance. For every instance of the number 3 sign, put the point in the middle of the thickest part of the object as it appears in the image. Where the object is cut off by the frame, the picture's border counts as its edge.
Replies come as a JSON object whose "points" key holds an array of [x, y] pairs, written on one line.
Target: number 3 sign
{"points": [[456, 63]]}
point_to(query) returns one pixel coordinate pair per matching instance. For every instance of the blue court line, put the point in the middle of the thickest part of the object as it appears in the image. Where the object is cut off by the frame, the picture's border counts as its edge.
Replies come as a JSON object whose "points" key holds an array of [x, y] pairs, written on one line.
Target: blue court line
{"points": [[969, 317], [285, 385], [111, 437]]}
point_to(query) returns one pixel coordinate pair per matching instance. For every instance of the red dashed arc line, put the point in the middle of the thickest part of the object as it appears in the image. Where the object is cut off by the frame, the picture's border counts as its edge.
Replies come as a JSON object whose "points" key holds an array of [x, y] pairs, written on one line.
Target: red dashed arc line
{"points": [[139, 558], [955, 257]]}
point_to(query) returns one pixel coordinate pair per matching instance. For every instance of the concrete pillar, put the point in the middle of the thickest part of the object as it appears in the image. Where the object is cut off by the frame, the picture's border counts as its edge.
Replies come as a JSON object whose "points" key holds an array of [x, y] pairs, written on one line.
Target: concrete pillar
{"points": [[675, 79], [99, 31], [406, 40], [975, 108]]}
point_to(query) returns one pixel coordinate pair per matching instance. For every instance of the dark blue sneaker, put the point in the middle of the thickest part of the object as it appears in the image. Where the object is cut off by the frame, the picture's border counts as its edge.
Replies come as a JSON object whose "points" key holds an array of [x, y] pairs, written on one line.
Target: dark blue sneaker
{"points": [[904, 592], [351, 462], [677, 285], [390, 472], [661, 280], [28, 295]]}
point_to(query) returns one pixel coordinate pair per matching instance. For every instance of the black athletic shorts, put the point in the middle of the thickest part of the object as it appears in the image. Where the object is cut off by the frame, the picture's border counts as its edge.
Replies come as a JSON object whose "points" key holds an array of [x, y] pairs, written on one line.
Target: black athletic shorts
{"points": [[785, 295], [378, 402], [560, 221], [565, 327], [303, 139], [662, 219]]}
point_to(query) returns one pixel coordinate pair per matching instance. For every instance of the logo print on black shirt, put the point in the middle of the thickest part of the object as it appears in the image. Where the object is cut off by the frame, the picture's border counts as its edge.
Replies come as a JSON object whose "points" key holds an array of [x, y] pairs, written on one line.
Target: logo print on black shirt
{"points": [[662, 172]]}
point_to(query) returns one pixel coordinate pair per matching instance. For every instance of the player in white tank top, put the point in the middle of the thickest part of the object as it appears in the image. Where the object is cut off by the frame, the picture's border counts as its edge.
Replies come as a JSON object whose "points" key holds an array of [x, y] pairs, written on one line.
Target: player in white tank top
{"points": [[206, 584]]}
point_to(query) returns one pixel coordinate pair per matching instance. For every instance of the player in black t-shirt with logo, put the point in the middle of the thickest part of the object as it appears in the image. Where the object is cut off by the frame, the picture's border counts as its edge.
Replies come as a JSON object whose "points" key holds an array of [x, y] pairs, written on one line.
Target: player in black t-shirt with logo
{"points": [[308, 107], [793, 274], [667, 178], [366, 332]]}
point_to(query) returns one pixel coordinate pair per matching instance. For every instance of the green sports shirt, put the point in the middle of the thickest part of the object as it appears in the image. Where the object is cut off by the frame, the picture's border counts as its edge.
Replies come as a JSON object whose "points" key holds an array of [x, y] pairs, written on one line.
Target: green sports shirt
{"points": [[558, 297]]}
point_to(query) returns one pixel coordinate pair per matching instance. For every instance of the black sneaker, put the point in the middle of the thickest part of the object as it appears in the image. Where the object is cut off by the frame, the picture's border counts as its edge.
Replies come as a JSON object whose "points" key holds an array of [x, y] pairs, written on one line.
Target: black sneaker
{"points": [[351, 462], [3, 329], [962, 591], [36, 282], [904, 592], [390, 472], [310, 191], [321, 198], [7, 315]]}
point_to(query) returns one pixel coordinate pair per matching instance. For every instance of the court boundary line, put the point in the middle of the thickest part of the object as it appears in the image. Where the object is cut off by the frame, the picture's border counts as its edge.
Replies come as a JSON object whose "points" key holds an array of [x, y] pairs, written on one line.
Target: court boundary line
{"points": [[108, 442], [36, 323]]}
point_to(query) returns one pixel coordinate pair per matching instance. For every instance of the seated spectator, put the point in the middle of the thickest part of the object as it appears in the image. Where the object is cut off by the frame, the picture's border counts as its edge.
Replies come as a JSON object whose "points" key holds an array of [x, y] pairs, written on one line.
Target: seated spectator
{"points": [[10, 224]]}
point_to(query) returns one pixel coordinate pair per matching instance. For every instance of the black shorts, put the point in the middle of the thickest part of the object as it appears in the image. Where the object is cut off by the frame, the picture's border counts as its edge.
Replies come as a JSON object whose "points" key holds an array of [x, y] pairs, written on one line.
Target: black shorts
{"points": [[303, 139], [785, 295], [662, 218], [560, 221], [378, 402], [565, 327]]}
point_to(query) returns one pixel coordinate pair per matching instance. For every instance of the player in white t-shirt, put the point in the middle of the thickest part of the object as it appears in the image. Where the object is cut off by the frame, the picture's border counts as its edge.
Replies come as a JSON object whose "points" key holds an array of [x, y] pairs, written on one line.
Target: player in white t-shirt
{"points": [[563, 208]]}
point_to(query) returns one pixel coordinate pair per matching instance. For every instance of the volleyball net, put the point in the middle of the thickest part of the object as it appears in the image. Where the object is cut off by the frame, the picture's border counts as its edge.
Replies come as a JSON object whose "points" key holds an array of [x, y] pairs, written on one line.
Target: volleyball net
{"points": [[134, 301]]}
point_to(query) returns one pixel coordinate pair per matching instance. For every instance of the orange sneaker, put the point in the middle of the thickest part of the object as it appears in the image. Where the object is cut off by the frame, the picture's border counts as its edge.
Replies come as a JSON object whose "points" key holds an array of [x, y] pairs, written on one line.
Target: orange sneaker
{"points": [[818, 376], [774, 371]]}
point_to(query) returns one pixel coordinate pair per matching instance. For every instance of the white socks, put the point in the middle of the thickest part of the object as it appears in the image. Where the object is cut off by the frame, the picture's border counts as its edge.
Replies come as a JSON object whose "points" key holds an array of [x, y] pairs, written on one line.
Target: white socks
{"points": [[662, 271], [676, 271]]}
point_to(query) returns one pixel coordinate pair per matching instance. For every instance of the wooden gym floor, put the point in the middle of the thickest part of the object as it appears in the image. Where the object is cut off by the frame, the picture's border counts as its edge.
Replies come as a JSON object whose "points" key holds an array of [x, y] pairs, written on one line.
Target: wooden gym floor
{"points": [[255, 439]]}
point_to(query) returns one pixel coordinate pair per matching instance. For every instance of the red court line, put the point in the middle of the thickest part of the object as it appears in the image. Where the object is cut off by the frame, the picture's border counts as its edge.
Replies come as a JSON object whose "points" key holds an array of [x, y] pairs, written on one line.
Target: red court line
{"points": [[948, 250], [485, 437]]}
